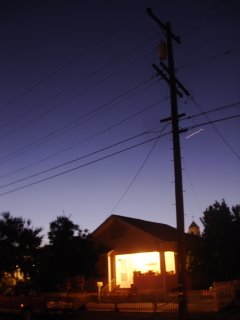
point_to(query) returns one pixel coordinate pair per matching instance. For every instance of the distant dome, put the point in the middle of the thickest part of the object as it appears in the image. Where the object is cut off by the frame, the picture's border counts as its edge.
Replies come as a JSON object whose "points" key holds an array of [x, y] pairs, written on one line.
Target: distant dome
{"points": [[194, 229]]}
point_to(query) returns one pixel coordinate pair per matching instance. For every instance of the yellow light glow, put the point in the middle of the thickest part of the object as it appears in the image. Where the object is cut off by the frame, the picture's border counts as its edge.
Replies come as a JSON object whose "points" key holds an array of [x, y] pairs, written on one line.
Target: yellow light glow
{"points": [[170, 262], [18, 274], [143, 262]]}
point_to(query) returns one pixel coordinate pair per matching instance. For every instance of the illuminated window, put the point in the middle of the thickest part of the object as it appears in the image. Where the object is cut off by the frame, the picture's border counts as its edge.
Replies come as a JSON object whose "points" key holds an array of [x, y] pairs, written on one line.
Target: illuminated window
{"points": [[170, 262], [126, 264]]}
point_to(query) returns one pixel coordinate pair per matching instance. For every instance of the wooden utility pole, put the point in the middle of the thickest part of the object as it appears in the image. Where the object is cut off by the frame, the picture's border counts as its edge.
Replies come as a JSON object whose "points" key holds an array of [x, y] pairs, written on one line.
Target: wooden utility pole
{"points": [[176, 88]]}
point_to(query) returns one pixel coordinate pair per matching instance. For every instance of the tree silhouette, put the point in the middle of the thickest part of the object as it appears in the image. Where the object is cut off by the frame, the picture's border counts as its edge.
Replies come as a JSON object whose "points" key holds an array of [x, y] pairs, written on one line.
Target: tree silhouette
{"points": [[69, 255], [19, 245], [62, 230], [221, 242]]}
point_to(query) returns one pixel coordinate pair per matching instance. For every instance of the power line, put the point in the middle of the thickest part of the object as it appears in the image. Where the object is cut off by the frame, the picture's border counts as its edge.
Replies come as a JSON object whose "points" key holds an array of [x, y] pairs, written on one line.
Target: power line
{"points": [[64, 66], [56, 133], [137, 173], [84, 118], [205, 25], [88, 138], [205, 10], [76, 83], [226, 52], [216, 130], [117, 124], [86, 77], [201, 61], [106, 129], [192, 186], [72, 61], [212, 110], [75, 160], [81, 166], [187, 172], [214, 121], [107, 156]]}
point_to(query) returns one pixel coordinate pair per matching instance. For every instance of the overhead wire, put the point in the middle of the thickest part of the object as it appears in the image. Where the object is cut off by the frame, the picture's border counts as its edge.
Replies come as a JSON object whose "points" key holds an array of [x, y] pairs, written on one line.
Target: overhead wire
{"points": [[199, 125], [74, 160], [65, 101], [77, 58], [80, 166], [138, 172], [56, 106], [215, 128], [88, 138], [230, 105], [226, 106], [76, 83], [83, 118], [214, 121], [233, 50], [105, 157], [191, 185], [65, 65], [150, 152], [111, 127], [203, 12], [226, 52], [211, 7], [145, 160], [212, 57], [87, 89]]}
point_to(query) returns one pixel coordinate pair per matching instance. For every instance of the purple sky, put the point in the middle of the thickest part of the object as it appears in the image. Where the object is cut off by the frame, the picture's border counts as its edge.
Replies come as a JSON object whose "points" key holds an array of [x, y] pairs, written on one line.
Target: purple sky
{"points": [[77, 76]]}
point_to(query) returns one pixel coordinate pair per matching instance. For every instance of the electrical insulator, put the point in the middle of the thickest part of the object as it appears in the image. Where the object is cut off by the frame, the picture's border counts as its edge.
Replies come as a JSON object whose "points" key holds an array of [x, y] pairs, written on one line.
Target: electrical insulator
{"points": [[162, 50]]}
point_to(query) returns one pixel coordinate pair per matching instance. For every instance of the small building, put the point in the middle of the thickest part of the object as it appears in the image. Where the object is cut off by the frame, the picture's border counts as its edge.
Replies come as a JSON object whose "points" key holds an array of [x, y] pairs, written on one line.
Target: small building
{"points": [[194, 229], [136, 254]]}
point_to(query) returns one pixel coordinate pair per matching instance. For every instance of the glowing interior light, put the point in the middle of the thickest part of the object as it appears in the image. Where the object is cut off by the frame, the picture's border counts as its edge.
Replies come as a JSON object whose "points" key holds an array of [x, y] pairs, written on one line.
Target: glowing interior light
{"points": [[127, 264], [170, 262]]}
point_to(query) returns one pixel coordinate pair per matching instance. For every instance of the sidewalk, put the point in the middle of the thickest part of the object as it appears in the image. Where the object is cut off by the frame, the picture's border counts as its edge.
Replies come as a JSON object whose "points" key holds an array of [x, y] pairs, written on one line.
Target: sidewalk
{"points": [[110, 315], [229, 314]]}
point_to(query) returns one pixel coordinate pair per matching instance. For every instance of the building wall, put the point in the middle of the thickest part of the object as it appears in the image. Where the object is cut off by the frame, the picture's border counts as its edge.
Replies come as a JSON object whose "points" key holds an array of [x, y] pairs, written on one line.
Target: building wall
{"points": [[119, 237], [124, 238]]}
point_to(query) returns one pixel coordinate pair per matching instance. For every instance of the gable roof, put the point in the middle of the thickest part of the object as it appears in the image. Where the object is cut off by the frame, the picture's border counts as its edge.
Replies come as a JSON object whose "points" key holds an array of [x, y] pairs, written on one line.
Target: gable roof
{"points": [[193, 225], [159, 230]]}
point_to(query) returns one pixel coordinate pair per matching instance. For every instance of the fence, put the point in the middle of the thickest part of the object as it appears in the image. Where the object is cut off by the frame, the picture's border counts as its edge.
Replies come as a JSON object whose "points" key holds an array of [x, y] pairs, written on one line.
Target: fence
{"points": [[198, 301], [211, 300], [225, 293]]}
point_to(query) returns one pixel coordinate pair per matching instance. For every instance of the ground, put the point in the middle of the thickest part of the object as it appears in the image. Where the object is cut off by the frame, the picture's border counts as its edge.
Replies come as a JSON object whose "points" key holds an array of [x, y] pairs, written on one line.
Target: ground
{"points": [[230, 314]]}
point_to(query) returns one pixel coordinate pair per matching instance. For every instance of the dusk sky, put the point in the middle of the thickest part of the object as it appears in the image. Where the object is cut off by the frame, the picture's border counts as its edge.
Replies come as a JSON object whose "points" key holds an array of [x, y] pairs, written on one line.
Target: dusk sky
{"points": [[80, 109]]}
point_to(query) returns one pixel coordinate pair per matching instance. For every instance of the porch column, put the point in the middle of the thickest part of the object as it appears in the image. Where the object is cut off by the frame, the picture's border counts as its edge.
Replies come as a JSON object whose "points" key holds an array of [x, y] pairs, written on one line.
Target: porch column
{"points": [[109, 270], [163, 269]]}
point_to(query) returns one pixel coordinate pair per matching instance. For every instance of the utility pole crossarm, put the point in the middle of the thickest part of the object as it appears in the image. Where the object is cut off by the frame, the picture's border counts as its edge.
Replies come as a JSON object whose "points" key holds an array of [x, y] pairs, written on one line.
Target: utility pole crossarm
{"points": [[162, 74], [176, 80], [162, 25], [172, 81]]}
